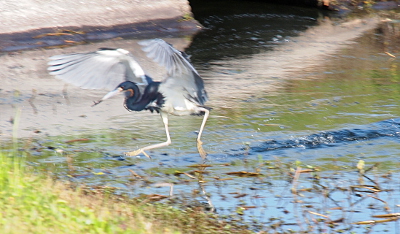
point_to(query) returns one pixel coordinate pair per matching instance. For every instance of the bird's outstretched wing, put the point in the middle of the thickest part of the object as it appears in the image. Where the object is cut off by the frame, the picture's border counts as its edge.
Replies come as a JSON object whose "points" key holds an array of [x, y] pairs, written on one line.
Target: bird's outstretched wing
{"points": [[182, 76], [103, 69]]}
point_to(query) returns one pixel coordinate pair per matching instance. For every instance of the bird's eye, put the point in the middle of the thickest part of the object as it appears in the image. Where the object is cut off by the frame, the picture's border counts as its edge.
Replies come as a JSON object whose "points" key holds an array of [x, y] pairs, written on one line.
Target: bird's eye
{"points": [[131, 92]]}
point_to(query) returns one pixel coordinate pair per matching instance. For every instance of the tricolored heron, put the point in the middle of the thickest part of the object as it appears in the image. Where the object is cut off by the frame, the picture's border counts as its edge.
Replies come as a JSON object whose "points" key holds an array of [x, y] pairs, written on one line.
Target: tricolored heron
{"points": [[180, 93]]}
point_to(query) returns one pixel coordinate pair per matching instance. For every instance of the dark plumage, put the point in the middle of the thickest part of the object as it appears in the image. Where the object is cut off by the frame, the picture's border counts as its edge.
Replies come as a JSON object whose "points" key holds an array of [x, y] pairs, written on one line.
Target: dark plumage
{"points": [[180, 93]]}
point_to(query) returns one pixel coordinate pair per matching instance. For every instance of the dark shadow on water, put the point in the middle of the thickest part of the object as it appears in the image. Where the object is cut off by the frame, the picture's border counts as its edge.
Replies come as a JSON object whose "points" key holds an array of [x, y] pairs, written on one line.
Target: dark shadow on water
{"points": [[386, 128], [240, 28]]}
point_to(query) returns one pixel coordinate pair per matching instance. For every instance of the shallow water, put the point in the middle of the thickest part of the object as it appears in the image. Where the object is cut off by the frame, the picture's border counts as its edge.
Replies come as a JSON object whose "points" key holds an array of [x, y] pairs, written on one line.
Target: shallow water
{"points": [[273, 111]]}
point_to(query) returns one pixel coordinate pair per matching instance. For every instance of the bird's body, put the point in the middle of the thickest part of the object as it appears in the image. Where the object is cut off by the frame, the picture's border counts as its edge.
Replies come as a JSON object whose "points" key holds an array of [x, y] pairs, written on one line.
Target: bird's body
{"points": [[180, 93]]}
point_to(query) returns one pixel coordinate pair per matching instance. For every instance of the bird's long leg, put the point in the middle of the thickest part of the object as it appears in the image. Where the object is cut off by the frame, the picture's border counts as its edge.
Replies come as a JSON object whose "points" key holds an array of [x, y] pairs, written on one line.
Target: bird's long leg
{"points": [[202, 153], [164, 117]]}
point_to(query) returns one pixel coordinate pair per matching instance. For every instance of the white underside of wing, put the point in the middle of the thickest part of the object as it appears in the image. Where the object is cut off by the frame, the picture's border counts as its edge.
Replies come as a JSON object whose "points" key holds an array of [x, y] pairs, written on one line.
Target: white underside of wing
{"points": [[103, 69], [186, 109], [176, 103], [123, 55]]}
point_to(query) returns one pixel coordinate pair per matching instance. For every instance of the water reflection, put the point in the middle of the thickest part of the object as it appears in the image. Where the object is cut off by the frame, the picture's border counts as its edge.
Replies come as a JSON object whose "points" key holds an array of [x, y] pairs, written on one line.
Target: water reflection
{"points": [[236, 29]]}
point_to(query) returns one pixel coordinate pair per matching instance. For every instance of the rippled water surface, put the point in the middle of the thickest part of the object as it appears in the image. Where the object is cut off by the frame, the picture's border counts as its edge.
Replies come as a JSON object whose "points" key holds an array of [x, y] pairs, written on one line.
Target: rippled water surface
{"points": [[327, 115]]}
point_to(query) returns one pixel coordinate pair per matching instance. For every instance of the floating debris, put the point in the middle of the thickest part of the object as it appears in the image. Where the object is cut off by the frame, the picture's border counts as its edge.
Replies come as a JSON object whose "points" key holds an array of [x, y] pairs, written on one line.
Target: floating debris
{"points": [[77, 140], [200, 165], [392, 215], [376, 221], [391, 55], [244, 173]]}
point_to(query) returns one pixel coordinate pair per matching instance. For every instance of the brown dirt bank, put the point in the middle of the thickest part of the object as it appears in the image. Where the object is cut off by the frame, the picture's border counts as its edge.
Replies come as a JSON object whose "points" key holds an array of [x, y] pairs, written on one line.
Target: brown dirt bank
{"points": [[25, 15], [25, 22]]}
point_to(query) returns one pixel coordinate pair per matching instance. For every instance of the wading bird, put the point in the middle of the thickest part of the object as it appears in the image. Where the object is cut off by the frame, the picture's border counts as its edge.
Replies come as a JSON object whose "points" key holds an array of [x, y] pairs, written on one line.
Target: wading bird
{"points": [[180, 93]]}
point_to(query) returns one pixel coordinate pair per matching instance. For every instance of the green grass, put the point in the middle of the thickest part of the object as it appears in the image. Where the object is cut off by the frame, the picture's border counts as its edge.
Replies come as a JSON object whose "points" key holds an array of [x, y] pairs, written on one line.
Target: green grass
{"points": [[35, 204]]}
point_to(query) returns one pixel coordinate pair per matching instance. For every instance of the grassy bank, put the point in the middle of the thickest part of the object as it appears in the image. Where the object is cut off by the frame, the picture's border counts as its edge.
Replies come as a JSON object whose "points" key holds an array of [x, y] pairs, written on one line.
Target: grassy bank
{"points": [[32, 203], [36, 204]]}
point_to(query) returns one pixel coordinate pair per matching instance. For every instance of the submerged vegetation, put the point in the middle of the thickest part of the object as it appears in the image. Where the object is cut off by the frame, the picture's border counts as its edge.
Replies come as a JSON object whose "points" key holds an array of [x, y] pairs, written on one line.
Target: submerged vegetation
{"points": [[292, 198], [35, 203]]}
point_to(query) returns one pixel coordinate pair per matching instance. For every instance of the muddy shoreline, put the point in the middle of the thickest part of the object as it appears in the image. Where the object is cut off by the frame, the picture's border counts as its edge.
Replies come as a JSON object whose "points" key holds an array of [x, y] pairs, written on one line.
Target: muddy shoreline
{"points": [[52, 23], [70, 36], [27, 15]]}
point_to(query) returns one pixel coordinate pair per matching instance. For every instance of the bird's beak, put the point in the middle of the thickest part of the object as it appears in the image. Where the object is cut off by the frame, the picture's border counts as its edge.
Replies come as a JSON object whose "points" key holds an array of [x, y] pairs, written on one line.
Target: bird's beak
{"points": [[112, 93], [109, 95]]}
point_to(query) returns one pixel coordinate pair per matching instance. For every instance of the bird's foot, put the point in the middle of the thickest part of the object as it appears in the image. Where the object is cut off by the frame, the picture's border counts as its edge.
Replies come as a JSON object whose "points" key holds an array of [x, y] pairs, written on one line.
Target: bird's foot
{"points": [[137, 152], [202, 152]]}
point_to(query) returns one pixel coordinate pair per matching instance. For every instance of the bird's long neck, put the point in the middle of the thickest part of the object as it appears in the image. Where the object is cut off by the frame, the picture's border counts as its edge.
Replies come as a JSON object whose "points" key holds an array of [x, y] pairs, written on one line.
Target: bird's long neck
{"points": [[132, 97], [138, 102]]}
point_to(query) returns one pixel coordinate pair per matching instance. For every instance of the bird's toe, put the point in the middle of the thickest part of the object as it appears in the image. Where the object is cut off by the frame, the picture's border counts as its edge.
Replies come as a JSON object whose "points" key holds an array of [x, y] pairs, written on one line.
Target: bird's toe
{"points": [[202, 152], [136, 152]]}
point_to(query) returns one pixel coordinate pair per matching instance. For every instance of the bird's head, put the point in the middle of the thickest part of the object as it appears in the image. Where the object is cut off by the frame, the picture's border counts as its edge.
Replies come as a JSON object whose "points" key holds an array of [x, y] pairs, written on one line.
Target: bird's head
{"points": [[129, 88]]}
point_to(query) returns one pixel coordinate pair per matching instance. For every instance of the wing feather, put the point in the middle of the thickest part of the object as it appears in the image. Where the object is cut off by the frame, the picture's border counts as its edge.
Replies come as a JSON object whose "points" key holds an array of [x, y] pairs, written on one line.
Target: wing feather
{"points": [[103, 69], [155, 50], [106, 68], [182, 78]]}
